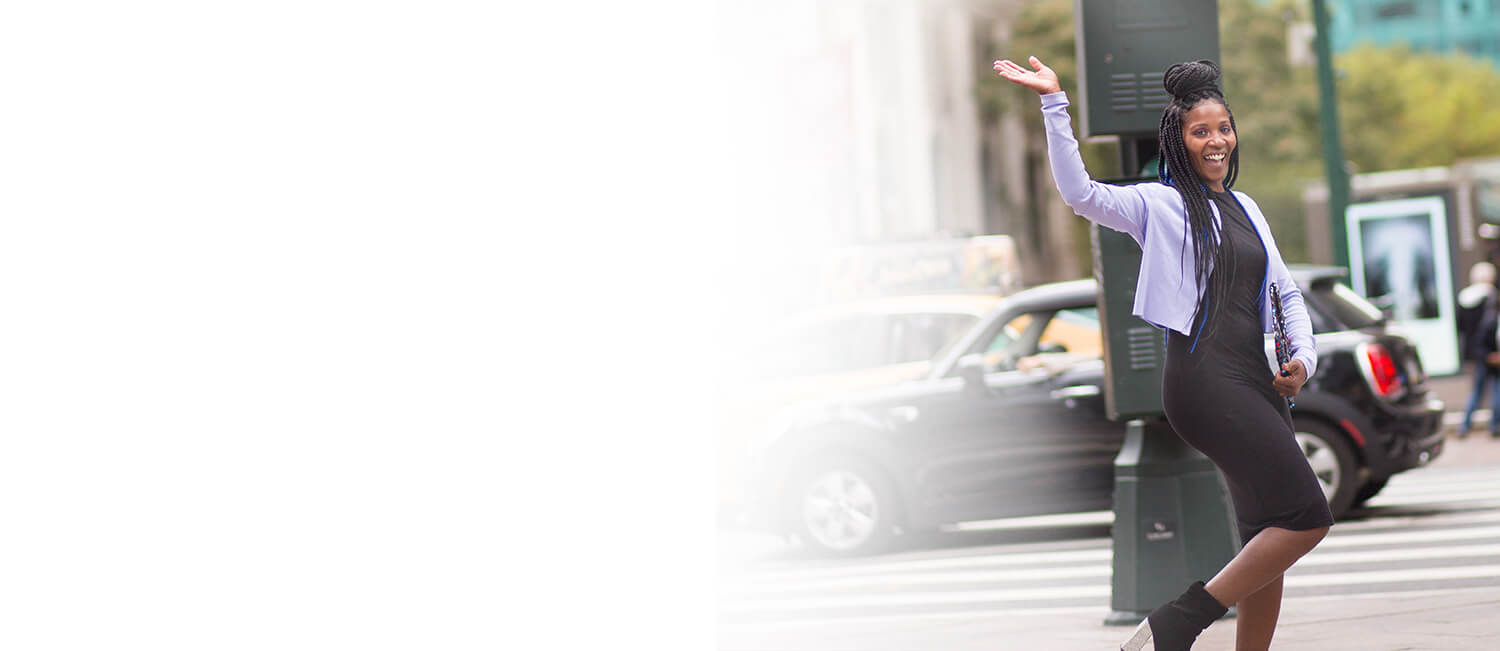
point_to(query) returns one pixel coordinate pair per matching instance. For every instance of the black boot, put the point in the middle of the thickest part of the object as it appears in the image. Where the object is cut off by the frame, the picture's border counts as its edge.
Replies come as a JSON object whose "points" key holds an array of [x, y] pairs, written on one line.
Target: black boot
{"points": [[1174, 625]]}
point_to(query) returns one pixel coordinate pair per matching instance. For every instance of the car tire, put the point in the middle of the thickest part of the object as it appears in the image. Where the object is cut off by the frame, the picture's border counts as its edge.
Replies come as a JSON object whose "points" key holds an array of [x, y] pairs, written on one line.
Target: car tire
{"points": [[1333, 462], [844, 506], [1368, 490]]}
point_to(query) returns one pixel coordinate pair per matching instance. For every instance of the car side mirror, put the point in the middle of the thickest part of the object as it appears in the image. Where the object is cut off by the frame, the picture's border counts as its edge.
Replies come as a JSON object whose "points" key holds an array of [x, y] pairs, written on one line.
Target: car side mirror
{"points": [[972, 369]]}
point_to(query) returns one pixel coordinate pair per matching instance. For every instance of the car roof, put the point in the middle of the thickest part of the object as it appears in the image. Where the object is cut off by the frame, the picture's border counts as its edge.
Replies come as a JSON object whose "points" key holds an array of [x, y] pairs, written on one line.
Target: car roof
{"points": [[1307, 274], [974, 304], [1061, 294]]}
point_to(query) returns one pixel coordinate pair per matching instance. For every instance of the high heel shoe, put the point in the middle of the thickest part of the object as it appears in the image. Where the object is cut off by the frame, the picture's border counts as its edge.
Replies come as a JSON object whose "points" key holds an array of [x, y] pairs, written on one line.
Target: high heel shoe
{"points": [[1174, 625]]}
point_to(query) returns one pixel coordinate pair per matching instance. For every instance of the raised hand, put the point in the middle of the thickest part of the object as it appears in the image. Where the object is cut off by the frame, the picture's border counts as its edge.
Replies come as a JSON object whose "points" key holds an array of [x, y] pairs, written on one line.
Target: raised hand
{"points": [[1043, 81]]}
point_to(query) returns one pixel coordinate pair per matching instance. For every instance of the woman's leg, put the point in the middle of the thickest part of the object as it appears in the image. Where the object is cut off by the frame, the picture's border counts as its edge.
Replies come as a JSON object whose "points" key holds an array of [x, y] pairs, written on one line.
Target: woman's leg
{"points": [[1257, 619], [1262, 561]]}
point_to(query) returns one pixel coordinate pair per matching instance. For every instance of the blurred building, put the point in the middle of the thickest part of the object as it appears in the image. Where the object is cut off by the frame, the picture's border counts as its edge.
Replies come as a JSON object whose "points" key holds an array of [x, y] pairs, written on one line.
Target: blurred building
{"points": [[862, 115], [1469, 26]]}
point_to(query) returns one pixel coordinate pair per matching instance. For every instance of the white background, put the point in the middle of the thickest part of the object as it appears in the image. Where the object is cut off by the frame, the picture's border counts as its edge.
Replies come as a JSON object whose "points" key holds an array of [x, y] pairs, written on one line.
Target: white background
{"points": [[355, 325]]}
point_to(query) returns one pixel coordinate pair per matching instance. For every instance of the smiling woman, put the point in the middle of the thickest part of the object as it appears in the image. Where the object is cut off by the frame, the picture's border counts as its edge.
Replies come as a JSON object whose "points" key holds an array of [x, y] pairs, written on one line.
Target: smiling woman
{"points": [[1210, 295]]}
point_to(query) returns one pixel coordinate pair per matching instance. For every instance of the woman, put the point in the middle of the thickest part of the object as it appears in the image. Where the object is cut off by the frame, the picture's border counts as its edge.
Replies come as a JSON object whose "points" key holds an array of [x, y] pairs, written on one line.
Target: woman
{"points": [[1207, 260]]}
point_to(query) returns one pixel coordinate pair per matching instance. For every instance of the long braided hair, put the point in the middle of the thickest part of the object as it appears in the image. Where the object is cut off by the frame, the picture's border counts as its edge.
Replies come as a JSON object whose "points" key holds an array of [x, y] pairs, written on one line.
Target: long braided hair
{"points": [[1190, 83]]}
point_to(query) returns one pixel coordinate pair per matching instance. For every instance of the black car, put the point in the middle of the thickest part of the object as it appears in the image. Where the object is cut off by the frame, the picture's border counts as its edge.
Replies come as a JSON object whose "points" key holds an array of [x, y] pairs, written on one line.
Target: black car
{"points": [[1010, 422]]}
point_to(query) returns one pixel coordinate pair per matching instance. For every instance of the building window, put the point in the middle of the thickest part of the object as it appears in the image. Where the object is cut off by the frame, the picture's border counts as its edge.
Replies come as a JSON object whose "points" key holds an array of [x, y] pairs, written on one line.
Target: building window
{"points": [[1396, 10]]}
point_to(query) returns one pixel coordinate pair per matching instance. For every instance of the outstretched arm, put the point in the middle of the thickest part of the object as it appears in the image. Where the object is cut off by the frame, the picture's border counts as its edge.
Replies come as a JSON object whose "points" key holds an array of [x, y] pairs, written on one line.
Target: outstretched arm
{"points": [[1120, 208]]}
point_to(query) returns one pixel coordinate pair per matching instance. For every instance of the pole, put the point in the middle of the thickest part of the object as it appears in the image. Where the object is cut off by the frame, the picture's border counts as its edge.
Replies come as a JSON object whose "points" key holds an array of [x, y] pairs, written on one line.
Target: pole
{"points": [[1333, 150]]}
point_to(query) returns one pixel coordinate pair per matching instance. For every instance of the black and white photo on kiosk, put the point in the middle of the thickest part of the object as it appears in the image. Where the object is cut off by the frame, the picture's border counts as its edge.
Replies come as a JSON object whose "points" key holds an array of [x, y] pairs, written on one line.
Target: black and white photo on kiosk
{"points": [[1399, 259]]}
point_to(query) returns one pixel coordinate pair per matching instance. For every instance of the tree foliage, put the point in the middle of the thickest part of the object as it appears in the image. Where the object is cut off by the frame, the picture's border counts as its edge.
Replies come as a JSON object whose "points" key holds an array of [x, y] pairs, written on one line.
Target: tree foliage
{"points": [[1402, 109]]}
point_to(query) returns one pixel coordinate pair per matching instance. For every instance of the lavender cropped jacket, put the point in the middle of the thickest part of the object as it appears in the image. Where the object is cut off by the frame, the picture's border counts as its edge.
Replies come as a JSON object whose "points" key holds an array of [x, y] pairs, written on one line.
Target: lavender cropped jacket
{"points": [[1154, 215]]}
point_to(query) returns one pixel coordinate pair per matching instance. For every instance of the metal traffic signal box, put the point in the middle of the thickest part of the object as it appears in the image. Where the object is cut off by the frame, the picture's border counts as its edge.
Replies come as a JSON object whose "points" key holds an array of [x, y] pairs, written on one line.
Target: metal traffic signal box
{"points": [[1134, 350], [1125, 46]]}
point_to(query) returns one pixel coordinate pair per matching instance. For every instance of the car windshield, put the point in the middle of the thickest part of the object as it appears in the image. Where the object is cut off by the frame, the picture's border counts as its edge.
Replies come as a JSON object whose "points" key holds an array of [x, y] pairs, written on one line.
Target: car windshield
{"points": [[1336, 307]]}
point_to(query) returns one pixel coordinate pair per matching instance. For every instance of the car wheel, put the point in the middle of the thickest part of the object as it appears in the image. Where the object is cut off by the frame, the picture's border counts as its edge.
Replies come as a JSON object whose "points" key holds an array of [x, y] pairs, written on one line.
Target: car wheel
{"points": [[844, 507], [1369, 490], [1332, 460]]}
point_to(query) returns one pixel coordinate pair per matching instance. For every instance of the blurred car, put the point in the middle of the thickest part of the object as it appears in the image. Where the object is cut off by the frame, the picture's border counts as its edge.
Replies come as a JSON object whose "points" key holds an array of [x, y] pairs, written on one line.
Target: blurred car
{"points": [[1010, 421], [862, 343], [849, 346], [859, 345]]}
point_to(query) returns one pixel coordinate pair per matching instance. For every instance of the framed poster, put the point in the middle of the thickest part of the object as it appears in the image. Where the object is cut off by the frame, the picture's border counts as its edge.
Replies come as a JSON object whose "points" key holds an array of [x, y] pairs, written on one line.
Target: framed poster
{"points": [[1399, 260]]}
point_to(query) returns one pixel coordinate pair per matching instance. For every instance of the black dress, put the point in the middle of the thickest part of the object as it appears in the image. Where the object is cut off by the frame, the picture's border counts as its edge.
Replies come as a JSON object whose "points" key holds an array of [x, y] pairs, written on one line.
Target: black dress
{"points": [[1217, 395]]}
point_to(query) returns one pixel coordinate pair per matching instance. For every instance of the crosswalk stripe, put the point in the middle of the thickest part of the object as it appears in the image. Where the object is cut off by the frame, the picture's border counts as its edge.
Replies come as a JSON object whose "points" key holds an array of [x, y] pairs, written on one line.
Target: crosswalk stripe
{"points": [[854, 620], [1417, 478], [926, 598], [1392, 500], [1342, 536], [785, 624], [1428, 521], [1396, 484], [1086, 518], [1365, 539], [1293, 580], [1316, 558], [1376, 518], [1441, 493], [1095, 554], [928, 578], [1428, 476], [1388, 497], [1296, 580]]}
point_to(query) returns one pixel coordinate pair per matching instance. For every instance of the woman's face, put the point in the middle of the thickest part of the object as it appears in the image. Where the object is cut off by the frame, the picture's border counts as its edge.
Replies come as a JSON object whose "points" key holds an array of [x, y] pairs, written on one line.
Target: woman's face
{"points": [[1210, 139]]}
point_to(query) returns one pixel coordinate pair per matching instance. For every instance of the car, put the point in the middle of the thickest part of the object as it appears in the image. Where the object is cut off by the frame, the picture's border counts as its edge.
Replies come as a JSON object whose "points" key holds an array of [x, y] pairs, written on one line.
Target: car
{"points": [[852, 346], [1010, 421]]}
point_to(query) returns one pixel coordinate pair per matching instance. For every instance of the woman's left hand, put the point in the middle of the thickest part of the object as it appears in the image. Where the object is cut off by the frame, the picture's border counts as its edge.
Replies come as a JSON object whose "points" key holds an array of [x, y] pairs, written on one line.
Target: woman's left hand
{"points": [[1288, 385]]}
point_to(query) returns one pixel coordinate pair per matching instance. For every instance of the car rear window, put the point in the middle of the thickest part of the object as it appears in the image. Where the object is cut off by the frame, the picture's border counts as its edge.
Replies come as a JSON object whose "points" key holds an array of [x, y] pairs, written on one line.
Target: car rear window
{"points": [[1334, 306]]}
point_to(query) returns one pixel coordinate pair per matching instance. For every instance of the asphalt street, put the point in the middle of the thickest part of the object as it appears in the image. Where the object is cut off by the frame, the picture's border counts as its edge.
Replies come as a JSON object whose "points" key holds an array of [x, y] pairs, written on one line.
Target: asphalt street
{"points": [[1432, 536]]}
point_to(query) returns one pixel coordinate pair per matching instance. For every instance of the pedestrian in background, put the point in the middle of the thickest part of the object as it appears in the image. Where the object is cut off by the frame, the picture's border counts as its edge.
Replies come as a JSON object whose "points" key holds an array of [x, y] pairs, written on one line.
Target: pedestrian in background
{"points": [[1478, 316], [1207, 261]]}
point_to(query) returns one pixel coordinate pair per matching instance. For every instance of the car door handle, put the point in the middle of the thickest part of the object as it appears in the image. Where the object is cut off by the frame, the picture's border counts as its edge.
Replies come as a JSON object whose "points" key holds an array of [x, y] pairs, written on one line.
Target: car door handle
{"points": [[1075, 392]]}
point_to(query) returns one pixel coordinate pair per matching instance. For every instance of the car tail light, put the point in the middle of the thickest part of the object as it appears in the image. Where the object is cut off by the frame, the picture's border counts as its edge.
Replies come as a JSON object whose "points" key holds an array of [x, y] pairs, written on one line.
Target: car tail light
{"points": [[1380, 370]]}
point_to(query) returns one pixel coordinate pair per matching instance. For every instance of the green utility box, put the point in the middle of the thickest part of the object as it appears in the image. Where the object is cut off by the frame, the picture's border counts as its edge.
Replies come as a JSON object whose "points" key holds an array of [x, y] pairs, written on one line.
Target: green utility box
{"points": [[1125, 46], [1134, 351]]}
